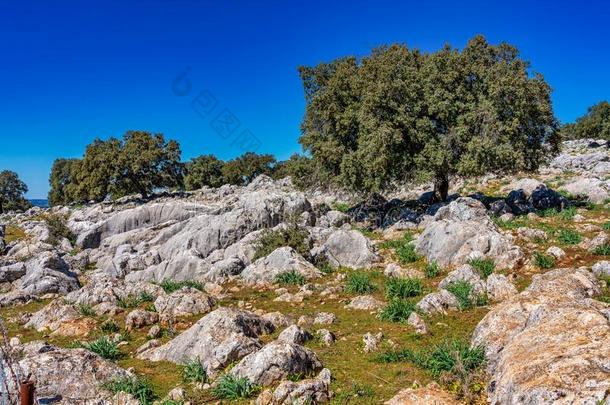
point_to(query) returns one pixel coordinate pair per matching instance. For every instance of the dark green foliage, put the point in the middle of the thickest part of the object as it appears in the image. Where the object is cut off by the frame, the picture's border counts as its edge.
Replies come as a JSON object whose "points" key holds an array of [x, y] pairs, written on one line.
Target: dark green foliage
{"points": [[292, 277], [293, 236], [397, 310], [247, 167], [104, 347], [359, 282], [58, 229], [569, 237], [432, 270], [484, 266], [205, 170], [230, 387], [603, 250], [109, 326], [194, 372], [140, 388], [400, 114], [543, 261], [300, 168], [594, 124], [403, 288], [169, 286], [12, 191], [606, 226], [63, 181]]}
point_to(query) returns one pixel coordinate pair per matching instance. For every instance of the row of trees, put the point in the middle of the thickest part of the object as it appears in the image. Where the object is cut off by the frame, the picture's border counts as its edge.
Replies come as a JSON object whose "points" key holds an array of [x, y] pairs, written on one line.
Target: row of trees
{"points": [[142, 162], [594, 124], [400, 114]]}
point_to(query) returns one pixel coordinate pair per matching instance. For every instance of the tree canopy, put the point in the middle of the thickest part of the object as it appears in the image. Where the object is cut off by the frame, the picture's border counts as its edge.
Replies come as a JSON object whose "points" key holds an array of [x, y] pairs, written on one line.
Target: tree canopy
{"points": [[245, 168], [205, 170], [12, 191], [400, 114], [594, 124]]}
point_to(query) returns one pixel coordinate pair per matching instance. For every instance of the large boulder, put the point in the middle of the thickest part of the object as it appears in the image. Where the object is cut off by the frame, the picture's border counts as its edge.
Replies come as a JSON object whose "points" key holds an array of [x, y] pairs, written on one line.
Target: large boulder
{"points": [[281, 260], [221, 337], [550, 343], [349, 249], [48, 273], [70, 376], [591, 188], [275, 362], [309, 391], [184, 302], [461, 231]]}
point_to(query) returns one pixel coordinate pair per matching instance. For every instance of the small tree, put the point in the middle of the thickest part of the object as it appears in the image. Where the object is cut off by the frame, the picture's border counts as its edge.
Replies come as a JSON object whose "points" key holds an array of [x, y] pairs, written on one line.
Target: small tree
{"points": [[301, 170], [12, 191], [205, 170], [247, 167], [63, 181], [594, 124], [399, 114]]}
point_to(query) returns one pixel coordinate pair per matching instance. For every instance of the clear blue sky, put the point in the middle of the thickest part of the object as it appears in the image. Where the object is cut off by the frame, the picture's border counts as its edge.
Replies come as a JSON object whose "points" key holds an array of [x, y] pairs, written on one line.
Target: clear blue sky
{"points": [[73, 71]]}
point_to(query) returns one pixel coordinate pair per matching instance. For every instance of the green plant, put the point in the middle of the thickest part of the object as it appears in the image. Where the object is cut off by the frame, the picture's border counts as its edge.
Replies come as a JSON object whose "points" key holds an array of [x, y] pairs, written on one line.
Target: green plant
{"points": [[169, 286], [359, 282], [406, 253], [194, 372], [484, 266], [133, 301], [403, 288], [140, 388], [602, 250], [543, 261], [109, 326], [293, 235], [432, 270], [569, 237], [291, 277], [105, 347], [548, 213], [324, 266], [396, 243], [231, 387], [462, 290], [340, 206], [396, 310], [85, 310], [568, 213], [58, 229], [606, 226]]}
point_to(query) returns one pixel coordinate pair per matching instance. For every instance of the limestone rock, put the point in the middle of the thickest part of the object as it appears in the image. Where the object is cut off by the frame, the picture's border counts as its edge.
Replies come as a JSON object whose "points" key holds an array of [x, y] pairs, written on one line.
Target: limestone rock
{"points": [[184, 302], [349, 249], [365, 303], [281, 260], [138, 318], [294, 334], [431, 394], [371, 341], [310, 391]]}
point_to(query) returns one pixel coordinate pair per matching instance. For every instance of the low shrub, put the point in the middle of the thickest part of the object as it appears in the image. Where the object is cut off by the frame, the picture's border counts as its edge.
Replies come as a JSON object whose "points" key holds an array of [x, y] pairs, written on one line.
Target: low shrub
{"points": [[543, 261], [396, 310], [484, 266], [194, 372], [58, 229], [291, 277], [105, 347], [140, 388], [569, 237], [403, 288], [432, 270], [233, 388], [109, 326], [359, 282], [293, 236], [169, 286]]}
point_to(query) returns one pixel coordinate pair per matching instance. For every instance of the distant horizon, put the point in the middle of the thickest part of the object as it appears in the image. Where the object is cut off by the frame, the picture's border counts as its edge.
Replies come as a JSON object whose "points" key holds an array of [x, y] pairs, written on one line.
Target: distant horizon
{"points": [[77, 71]]}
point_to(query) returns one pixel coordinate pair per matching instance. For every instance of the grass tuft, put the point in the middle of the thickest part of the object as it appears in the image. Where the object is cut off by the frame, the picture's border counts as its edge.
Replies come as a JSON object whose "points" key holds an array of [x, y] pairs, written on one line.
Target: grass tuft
{"points": [[85, 310], [543, 261], [109, 326], [140, 388], [396, 310], [194, 372], [104, 347], [569, 237], [293, 236], [484, 266], [170, 286], [359, 282], [291, 277], [462, 291], [403, 288], [432, 270], [233, 388], [603, 250]]}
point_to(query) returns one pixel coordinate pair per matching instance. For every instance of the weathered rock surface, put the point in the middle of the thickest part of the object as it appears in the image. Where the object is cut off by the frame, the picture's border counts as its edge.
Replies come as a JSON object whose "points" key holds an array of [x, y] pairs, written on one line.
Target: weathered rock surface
{"points": [[219, 338], [310, 391], [281, 260], [349, 249], [550, 343], [184, 302], [276, 361], [461, 231], [294, 334], [365, 303], [432, 394]]}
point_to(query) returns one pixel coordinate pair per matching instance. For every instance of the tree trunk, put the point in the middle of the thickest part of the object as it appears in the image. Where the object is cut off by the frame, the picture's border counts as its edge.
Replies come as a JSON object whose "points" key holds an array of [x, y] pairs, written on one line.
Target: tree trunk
{"points": [[441, 187]]}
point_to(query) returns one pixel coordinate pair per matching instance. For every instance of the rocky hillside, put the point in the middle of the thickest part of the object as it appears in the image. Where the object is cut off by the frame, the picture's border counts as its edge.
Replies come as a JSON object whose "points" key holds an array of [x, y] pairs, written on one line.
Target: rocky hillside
{"points": [[267, 294]]}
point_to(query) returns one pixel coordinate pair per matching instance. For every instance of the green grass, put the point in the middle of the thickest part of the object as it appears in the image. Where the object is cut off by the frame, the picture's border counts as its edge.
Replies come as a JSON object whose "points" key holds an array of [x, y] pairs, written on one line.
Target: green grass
{"points": [[193, 372], [462, 290], [603, 250], [606, 226], [133, 301], [170, 286], [484, 266], [406, 253], [85, 310], [396, 310], [140, 388], [403, 288], [543, 261], [233, 388], [569, 237], [396, 243], [568, 213], [291, 277], [359, 282], [432, 270], [548, 213], [104, 347], [340, 206], [511, 224]]}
